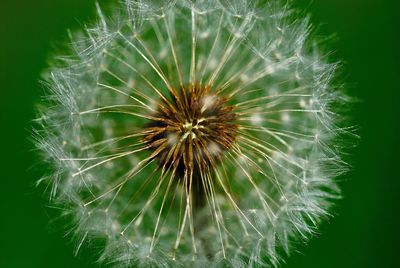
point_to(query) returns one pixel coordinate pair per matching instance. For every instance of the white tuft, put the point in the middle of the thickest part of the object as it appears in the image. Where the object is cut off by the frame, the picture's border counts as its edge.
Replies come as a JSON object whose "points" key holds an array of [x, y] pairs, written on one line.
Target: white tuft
{"points": [[274, 186]]}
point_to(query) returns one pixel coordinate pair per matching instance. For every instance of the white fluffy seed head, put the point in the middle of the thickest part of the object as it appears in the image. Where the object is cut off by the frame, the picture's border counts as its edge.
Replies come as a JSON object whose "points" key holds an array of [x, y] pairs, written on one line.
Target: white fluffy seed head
{"points": [[273, 186]]}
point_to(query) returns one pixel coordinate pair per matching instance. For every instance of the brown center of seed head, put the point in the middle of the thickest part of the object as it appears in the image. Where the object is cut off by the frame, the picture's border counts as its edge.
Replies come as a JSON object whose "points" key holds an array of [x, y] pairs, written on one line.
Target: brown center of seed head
{"points": [[190, 133]]}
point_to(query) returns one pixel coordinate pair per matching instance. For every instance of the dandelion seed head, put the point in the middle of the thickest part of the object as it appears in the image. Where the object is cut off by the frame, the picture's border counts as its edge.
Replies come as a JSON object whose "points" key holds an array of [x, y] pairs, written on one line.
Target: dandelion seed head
{"points": [[201, 132]]}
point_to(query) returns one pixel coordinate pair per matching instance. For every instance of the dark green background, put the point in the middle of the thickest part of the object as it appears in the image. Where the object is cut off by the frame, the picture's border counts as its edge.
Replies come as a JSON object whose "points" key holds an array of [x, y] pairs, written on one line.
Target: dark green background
{"points": [[365, 232]]}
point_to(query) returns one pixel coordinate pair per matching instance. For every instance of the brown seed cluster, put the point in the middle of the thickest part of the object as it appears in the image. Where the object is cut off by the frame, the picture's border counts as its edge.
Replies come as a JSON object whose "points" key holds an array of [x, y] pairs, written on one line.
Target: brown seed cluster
{"points": [[190, 133]]}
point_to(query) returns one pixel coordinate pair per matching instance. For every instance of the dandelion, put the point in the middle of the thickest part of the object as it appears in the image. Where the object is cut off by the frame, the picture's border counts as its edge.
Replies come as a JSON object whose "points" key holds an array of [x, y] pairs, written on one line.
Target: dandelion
{"points": [[193, 133]]}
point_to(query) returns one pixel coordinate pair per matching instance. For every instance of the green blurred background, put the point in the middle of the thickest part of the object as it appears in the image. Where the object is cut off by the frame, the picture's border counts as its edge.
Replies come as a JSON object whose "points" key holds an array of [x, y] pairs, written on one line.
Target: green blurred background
{"points": [[365, 231]]}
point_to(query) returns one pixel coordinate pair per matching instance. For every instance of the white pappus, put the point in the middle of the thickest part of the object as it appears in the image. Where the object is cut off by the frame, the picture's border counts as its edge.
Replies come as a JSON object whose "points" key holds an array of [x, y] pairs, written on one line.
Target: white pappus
{"points": [[193, 132]]}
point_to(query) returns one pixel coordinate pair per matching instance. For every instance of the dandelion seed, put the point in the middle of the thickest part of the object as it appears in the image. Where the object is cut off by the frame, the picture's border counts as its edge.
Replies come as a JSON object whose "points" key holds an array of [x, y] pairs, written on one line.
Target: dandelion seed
{"points": [[193, 131]]}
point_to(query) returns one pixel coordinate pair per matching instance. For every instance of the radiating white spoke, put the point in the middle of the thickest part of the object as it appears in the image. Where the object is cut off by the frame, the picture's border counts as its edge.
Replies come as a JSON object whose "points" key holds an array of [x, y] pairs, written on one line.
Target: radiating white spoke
{"points": [[173, 51], [138, 168], [214, 45], [270, 214], [193, 60], [108, 160], [164, 79]]}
